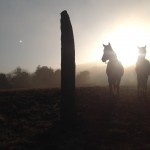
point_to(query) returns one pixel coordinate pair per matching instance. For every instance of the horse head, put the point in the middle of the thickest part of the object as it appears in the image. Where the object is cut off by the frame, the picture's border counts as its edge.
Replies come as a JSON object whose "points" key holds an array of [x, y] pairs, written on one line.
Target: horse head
{"points": [[142, 51], [108, 52]]}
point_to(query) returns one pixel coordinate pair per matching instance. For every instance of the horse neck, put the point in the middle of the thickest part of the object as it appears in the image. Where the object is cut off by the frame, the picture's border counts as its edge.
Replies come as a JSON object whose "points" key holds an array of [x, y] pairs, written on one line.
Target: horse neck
{"points": [[141, 59], [113, 57]]}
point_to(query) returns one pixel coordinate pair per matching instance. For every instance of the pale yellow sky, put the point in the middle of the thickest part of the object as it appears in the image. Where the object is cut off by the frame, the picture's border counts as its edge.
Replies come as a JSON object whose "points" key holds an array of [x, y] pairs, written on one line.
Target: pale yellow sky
{"points": [[36, 23]]}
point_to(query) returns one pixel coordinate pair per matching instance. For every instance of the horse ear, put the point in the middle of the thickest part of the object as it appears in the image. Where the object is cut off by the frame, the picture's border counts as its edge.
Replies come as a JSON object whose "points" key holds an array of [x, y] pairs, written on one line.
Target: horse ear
{"points": [[109, 43], [145, 46], [104, 45]]}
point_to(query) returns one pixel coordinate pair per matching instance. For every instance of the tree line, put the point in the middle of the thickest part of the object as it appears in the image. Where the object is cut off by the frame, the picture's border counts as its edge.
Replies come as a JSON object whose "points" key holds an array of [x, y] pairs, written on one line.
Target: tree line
{"points": [[43, 77]]}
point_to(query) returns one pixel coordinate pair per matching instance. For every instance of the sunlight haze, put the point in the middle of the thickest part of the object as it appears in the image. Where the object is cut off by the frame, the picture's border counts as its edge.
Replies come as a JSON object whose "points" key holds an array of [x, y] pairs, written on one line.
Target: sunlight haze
{"points": [[30, 31], [126, 39]]}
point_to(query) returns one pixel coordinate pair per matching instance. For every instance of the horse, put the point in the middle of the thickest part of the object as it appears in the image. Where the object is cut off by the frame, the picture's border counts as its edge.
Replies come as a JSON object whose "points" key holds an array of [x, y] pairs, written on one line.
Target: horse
{"points": [[142, 71], [114, 69]]}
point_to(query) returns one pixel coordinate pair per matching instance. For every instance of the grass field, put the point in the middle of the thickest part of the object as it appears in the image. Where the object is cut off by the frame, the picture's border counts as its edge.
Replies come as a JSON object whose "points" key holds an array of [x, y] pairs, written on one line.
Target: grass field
{"points": [[29, 119]]}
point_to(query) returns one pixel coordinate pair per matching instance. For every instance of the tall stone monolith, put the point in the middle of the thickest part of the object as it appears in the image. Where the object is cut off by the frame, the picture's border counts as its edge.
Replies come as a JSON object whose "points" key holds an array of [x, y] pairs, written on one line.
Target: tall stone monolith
{"points": [[68, 109]]}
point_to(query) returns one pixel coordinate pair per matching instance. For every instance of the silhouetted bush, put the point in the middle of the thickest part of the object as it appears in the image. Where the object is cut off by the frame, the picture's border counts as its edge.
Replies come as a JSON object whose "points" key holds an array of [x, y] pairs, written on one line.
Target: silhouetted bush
{"points": [[83, 78], [4, 83], [43, 77], [57, 78], [19, 78]]}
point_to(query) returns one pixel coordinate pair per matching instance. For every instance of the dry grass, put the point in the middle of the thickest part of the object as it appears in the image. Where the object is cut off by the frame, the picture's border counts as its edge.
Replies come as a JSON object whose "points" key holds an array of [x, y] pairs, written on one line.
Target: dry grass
{"points": [[29, 119]]}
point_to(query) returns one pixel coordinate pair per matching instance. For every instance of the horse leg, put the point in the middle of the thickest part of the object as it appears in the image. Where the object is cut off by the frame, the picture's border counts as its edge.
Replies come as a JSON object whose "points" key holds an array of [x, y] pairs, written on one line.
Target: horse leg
{"points": [[110, 88], [145, 90], [118, 89], [118, 86], [138, 86], [139, 90]]}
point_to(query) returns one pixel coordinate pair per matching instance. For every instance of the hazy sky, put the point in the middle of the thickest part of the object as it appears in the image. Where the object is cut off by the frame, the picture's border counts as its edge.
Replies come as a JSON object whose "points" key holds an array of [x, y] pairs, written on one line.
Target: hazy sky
{"points": [[30, 29]]}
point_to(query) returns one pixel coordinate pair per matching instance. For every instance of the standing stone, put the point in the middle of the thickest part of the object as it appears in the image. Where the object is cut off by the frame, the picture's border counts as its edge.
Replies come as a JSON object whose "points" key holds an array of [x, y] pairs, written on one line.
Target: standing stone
{"points": [[68, 111]]}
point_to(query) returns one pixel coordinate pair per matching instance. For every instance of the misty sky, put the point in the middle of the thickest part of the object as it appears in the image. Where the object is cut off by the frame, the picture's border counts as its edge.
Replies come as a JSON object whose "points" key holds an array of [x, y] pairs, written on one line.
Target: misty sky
{"points": [[30, 29]]}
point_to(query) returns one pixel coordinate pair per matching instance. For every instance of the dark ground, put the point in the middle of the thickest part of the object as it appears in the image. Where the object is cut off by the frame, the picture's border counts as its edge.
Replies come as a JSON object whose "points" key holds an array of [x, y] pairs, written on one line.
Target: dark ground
{"points": [[30, 120]]}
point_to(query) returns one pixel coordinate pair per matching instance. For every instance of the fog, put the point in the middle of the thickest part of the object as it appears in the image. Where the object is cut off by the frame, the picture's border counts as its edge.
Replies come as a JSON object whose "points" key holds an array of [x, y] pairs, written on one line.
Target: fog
{"points": [[89, 74], [97, 75]]}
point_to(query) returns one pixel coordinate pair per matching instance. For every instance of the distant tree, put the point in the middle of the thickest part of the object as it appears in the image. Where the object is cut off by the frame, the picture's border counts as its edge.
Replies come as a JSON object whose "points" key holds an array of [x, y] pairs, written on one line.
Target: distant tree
{"points": [[43, 77], [3, 81], [57, 78], [68, 111], [19, 78], [83, 78]]}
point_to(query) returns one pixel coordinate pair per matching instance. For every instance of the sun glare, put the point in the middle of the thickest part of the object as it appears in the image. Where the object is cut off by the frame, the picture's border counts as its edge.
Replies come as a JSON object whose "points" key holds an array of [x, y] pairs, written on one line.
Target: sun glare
{"points": [[125, 41]]}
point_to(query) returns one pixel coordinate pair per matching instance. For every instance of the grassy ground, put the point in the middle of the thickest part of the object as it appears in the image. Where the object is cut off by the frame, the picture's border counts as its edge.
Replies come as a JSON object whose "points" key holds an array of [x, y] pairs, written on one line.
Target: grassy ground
{"points": [[29, 119]]}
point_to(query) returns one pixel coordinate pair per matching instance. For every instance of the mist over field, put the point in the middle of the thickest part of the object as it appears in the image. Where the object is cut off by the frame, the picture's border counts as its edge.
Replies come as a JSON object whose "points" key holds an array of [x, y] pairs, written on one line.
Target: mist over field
{"points": [[88, 74], [97, 75]]}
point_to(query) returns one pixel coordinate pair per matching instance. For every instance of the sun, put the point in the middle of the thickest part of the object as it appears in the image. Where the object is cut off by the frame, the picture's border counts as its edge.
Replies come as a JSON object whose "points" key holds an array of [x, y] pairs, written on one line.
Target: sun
{"points": [[20, 41], [125, 40]]}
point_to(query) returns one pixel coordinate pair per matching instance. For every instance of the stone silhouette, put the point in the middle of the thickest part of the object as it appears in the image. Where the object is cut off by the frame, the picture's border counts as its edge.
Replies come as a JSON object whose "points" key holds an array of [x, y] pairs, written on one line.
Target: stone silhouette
{"points": [[68, 111], [142, 71], [114, 69]]}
